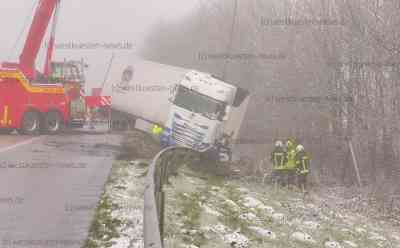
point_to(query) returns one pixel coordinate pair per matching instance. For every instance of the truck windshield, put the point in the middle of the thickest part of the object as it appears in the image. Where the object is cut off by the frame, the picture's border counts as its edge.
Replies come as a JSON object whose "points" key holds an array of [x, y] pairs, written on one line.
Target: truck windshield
{"points": [[67, 72], [200, 104]]}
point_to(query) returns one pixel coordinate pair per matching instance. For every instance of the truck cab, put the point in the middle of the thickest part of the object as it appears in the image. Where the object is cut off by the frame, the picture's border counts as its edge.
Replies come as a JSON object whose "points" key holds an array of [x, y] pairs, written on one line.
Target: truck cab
{"points": [[71, 74], [201, 105]]}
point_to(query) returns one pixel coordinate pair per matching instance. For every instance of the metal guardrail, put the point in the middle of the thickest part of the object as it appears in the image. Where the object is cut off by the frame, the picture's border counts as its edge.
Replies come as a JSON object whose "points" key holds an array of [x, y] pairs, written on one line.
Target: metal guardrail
{"points": [[154, 197]]}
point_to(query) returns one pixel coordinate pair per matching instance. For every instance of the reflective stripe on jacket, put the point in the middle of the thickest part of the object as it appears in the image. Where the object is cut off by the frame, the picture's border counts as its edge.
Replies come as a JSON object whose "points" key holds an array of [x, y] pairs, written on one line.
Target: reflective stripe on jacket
{"points": [[302, 163], [291, 159], [278, 159]]}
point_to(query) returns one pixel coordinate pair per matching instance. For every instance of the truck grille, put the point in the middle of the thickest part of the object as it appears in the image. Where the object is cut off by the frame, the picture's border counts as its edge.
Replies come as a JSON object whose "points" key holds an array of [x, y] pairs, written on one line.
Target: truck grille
{"points": [[186, 135]]}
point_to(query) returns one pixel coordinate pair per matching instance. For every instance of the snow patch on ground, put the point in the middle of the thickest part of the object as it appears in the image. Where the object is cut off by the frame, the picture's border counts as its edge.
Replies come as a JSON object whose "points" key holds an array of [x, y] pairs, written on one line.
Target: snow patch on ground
{"points": [[303, 238], [350, 244], [268, 209], [311, 225], [123, 197], [332, 244], [264, 233], [236, 240], [209, 210], [220, 229], [251, 202]]}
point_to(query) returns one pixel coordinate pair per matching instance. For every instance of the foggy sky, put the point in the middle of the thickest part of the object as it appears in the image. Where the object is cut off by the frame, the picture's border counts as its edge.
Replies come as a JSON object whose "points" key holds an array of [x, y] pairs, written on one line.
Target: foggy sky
{"points": [[91, 21]]}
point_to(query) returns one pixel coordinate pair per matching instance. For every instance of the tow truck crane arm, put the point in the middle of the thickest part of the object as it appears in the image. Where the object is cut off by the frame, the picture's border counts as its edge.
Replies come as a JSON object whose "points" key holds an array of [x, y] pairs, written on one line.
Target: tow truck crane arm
{"points": [[37, 32]]}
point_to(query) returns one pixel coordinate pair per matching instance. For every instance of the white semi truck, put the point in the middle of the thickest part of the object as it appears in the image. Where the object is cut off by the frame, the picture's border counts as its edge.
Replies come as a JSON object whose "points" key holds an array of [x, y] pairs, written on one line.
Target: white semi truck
{"points": [[195, 109]]}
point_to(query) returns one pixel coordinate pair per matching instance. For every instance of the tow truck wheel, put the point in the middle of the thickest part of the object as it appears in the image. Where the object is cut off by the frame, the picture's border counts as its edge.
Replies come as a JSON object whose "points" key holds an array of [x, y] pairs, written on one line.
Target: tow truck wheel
{"points": [[53, 122], [6, 130], [30, 123]]}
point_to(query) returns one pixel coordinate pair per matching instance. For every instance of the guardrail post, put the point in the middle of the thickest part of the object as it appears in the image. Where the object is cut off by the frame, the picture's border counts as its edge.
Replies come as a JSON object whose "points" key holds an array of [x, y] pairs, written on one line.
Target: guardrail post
{"points": [[164, 167], [162, 220]]}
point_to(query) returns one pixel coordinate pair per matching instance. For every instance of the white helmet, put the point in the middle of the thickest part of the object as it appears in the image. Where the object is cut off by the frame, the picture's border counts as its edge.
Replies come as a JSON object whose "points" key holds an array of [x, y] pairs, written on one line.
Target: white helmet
{"points": [[299, 148], [278, 143]]}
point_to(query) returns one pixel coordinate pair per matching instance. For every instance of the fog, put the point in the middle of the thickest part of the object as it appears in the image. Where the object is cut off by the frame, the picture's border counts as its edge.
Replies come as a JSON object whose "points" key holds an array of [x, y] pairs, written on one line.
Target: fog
{"points": [[322, 73], [90, 21]]}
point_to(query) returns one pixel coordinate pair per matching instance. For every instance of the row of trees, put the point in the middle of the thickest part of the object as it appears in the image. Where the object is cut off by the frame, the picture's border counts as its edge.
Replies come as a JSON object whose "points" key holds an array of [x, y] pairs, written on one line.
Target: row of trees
{"points": [[323, 71]]}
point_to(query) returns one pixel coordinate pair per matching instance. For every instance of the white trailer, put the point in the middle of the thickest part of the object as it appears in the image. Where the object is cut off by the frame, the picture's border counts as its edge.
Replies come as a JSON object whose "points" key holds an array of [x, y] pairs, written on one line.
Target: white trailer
{"points": [[142, 88], [196, 109]]}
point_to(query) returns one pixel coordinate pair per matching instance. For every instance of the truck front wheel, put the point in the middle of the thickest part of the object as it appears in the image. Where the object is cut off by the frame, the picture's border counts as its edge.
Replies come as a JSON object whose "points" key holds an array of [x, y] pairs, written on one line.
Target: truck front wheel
{"points": [[30, 123], [53, 122]]}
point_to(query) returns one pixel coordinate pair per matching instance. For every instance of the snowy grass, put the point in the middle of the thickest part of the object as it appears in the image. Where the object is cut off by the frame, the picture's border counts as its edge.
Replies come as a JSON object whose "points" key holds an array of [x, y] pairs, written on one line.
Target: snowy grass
{"points": [[118, 221], [208, 211]]}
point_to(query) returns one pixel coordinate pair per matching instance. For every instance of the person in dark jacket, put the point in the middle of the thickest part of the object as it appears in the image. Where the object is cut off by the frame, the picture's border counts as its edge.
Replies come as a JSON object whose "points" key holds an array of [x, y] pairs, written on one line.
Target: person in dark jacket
{"points": [[302, 167], [279, 160]]}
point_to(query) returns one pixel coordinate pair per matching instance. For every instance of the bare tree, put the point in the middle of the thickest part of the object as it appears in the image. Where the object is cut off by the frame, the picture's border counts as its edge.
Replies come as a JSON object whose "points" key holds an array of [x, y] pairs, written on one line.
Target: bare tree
{"points": [[343, 52]]}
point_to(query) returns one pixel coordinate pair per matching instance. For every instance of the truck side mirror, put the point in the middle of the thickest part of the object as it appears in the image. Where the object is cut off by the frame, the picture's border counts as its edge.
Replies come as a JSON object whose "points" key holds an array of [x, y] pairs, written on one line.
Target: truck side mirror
{"points": [[172, 93], [227, 112]]}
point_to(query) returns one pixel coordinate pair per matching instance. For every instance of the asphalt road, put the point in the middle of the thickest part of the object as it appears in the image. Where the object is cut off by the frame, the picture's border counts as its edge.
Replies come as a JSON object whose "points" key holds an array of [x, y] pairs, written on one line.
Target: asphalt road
{"points": [[49, 187], [7, 141]]}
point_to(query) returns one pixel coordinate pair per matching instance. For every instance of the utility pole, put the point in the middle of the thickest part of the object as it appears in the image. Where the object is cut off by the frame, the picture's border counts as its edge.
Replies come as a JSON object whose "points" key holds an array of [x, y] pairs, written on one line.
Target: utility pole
{"points": [[112, 91], [355, 163], [108, 71], [231, 36]]}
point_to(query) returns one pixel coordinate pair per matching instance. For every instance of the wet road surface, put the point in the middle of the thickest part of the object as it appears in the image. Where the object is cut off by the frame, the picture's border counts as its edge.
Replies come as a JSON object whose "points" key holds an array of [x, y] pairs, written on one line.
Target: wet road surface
{"points": [[49, 188], [13, 140]]}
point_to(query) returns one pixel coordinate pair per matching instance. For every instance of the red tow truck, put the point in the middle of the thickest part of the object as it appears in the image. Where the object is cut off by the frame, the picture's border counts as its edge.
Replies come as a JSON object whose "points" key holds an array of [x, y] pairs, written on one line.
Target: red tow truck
{"points": [[32, 102]]}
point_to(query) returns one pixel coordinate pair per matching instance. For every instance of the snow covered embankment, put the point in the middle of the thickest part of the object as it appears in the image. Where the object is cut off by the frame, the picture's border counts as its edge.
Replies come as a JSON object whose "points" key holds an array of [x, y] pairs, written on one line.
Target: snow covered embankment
{"points": [[207, 211], [118, 222]]}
